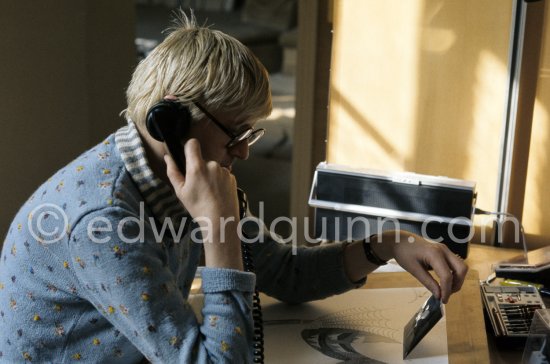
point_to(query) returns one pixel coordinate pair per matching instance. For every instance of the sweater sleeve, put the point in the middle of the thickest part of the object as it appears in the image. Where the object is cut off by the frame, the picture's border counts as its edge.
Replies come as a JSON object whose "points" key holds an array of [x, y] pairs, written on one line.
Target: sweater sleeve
{"points": [[298, 274], [132, 285]]}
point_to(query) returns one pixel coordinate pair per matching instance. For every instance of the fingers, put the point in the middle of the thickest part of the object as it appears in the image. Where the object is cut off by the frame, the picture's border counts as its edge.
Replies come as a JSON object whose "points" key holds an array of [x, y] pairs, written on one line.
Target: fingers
{"points": [[422, 255], [439, 264], [174, 174], [450, 269], [205, 187], [193, 163], [193, 155], [459, 269], [420, 273], [170, 98]]}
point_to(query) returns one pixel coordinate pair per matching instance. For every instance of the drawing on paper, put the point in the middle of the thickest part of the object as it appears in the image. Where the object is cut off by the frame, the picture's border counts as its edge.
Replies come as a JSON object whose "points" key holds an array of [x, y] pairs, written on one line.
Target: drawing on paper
{"points": [[362, 326]]}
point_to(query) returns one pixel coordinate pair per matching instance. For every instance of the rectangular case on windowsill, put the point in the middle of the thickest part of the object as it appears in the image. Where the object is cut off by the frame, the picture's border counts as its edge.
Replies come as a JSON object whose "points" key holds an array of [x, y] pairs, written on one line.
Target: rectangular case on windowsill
{"points": [[353, 204]]}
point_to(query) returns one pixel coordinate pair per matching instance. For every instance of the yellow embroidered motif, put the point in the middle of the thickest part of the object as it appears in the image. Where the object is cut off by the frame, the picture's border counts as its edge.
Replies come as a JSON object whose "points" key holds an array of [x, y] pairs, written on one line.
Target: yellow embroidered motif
{"points": [[27, 356], [110, 310], [96, 341], [145, 296], [175, 342], [79, 168], [36, 318], [119, 252], [225, 346]]}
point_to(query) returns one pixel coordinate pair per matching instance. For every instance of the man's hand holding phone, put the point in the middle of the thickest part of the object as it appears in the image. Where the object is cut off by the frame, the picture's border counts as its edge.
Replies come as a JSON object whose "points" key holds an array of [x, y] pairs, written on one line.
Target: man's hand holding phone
{"points": [[209, 193]]}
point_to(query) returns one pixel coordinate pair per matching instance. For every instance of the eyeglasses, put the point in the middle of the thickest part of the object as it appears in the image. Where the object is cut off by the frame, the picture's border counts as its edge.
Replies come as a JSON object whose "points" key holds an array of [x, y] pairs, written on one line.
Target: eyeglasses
{"points": [[250, 135]]}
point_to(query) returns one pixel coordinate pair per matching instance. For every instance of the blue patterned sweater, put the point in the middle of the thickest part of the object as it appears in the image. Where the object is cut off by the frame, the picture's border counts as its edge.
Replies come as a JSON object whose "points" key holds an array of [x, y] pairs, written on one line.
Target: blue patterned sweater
{"points": [[88, 274]]}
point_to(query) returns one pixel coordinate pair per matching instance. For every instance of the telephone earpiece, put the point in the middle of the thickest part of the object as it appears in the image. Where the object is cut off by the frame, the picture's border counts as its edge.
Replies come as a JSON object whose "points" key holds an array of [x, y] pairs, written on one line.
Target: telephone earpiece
{"points": [[169, 121]]}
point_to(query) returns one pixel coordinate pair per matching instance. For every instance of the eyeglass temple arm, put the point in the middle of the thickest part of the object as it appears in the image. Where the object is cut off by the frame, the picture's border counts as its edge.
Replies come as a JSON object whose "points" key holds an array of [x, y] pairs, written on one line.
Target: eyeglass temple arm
{"points": [[211, 117]]}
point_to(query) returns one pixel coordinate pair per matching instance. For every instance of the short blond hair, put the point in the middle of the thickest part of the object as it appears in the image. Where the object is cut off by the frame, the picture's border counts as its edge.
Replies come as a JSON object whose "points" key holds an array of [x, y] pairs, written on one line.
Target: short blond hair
{"points": [[199, 64]]}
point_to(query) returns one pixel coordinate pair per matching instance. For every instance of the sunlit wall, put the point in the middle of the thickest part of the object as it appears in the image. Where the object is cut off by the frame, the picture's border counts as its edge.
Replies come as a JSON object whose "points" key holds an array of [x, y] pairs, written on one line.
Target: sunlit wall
{"points": [[421, 86]]}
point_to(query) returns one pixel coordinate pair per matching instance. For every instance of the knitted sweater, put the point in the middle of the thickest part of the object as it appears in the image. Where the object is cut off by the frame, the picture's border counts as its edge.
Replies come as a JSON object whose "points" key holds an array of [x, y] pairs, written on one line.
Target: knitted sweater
{"points": [[98, 263]]}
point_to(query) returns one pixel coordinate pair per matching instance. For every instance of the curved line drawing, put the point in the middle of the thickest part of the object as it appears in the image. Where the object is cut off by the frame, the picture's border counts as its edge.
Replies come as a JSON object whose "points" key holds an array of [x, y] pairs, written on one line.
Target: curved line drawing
{"points": [[334, 334]]}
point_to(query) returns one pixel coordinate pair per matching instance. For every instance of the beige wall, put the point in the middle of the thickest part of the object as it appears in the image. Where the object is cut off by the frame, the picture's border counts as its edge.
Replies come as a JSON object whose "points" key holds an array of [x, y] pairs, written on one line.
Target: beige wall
{"points": [[64, 66], [420, 86]]}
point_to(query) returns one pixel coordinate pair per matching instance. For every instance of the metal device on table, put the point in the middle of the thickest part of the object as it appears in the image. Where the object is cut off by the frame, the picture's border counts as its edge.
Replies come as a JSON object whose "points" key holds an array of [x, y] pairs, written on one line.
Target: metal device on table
{"points": [[510, 309]]}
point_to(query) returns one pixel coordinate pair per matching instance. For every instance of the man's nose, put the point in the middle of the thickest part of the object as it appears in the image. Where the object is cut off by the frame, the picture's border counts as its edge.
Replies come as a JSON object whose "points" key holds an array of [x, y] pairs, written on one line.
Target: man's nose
{"points": [[240, 150]]}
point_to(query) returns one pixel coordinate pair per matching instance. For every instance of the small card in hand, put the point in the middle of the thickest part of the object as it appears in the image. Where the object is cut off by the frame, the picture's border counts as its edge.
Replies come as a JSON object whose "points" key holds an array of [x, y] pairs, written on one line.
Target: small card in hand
{"points": [[421, 323]]}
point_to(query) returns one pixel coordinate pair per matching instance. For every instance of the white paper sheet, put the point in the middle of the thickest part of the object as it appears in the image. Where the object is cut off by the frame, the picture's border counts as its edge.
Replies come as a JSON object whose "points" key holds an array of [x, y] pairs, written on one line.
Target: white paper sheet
{"points": [[360, 326]]}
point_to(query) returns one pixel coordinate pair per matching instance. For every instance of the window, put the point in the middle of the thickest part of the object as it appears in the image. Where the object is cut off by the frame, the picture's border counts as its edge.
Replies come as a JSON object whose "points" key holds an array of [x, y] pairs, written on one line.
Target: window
{"points": [[424, 86]]}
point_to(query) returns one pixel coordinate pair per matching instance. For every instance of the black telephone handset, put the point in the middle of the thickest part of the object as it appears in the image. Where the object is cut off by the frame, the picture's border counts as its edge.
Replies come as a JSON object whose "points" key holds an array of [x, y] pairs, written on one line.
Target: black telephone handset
{"points": [[169, 121]]}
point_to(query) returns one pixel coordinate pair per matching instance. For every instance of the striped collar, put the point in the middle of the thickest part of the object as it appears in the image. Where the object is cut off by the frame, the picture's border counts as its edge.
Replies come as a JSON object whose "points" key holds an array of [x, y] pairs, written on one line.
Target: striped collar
{"points": [[158, 195]]}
